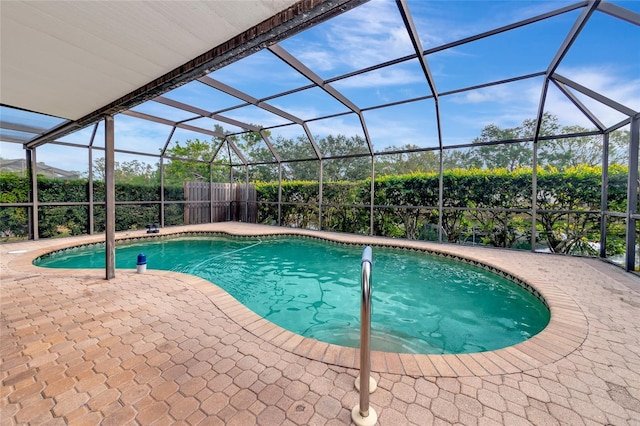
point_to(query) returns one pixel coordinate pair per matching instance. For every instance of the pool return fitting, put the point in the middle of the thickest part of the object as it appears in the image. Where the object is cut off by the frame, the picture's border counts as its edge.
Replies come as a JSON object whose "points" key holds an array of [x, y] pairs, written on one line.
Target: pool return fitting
{"points": [[362, 414]]}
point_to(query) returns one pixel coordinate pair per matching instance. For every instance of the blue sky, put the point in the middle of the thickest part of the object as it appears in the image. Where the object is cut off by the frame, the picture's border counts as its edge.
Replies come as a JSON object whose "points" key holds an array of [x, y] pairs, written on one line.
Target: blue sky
{"points": [[603, 58]]}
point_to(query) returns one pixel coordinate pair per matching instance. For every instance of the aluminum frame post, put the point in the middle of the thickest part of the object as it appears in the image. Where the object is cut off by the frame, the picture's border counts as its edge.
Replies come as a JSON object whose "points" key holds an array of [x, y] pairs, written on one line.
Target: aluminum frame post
{"points": [[604, 185], [534, 197], [110, 198], [441, 196], [90, 188], [246, 194], [162, 192], [279, 194], [320, 186], [32, 167], [632, 194], [211, 191], [372, 193]]}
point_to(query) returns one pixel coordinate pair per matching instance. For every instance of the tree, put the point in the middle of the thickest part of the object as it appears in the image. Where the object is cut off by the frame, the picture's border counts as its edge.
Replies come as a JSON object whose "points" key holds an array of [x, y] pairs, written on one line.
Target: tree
{"points": [[190, 162], [504, 156], [571, 152], [336, 169], [511, 155], [344, 169], [254, 148], [566, 153], [407, 162], [460, 159], [131, 172]]}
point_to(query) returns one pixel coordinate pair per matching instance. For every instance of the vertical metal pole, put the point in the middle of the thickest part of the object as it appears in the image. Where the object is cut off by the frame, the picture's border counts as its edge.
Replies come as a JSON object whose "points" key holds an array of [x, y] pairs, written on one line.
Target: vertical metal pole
{"points": [[232, 195], [279, 194], [441, 195], [162, 192], [632, 193], [109, 194], [246, 194], [90, 190], [604, 195], [321, 183], [211, 207], [372, 192], [534, 196], [32, 167]]}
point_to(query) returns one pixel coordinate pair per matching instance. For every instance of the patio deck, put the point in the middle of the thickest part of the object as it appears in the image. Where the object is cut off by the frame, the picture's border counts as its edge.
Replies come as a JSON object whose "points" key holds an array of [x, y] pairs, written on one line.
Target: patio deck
{"points": [[167, 348]]}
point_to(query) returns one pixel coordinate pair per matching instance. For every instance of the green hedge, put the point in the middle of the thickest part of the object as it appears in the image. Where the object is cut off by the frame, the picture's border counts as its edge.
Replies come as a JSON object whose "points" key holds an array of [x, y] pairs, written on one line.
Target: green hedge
{"points": [[56, 221], [405, 206]]}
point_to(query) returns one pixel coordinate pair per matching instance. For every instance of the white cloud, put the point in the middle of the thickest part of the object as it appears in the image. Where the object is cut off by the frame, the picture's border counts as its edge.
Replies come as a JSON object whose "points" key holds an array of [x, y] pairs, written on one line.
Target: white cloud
{"points": [[509, 104], [317, 59], [609, 82], [254, 115], [370, 34], [382, 77], [336, 126], [499, 94]]}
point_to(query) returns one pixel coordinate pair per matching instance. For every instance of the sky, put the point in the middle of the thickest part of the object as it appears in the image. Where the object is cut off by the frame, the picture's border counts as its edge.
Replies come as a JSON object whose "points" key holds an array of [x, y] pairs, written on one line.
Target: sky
{"points": [[604, 58]]}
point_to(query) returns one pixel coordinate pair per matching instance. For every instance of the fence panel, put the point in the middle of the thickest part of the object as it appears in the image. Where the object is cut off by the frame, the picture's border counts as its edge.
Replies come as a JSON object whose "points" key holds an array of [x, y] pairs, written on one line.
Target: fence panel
{"points": [[219, 202]]}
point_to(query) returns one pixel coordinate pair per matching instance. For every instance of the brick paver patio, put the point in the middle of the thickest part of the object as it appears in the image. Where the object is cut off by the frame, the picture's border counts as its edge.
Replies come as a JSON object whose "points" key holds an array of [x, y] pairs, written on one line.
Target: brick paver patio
{"points": [[166, 348]]}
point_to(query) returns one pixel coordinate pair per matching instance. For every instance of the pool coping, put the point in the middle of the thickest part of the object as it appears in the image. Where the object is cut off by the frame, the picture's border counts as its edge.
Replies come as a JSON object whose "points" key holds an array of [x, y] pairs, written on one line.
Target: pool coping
{"points": [[566, 331]]}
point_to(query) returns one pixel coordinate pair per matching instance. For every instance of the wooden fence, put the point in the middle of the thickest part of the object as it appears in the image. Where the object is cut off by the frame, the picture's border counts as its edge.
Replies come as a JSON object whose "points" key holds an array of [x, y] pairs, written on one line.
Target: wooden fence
{"points": [[219, 202]]}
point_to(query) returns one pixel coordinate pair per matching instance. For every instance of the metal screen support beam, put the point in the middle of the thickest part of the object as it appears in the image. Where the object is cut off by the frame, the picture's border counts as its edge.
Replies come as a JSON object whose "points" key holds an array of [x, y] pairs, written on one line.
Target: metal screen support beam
{"points": [[91, 203], [534, 196], [591, 116], [246, 194], [620, 12], [162, 192], [279, 194], [314, 145], [32, 167], [632, 193], [210, 192], [315, 78], [110, 198], [595, 95], [266, 140], [403, 7], [167, 142], [367, 138], [236, 150], [321, 184], [90, 187], [372, 192], [604, 195], [560, 54], [586, 13], [441, 195]]}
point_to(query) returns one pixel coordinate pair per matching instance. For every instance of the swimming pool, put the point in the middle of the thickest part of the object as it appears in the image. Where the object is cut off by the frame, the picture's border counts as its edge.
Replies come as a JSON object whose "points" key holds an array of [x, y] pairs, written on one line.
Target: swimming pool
{"points": [[421, 303]]}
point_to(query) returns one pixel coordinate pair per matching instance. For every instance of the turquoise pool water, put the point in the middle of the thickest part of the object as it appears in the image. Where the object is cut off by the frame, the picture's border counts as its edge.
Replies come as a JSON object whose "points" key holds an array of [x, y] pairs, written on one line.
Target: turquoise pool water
{"points": [[421, 303]]}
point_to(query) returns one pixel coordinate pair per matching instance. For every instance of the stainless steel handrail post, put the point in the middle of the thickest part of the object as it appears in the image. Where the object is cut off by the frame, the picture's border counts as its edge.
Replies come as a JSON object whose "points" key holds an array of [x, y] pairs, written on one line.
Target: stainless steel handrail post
{"points": [[362, 414], [365, 332]]}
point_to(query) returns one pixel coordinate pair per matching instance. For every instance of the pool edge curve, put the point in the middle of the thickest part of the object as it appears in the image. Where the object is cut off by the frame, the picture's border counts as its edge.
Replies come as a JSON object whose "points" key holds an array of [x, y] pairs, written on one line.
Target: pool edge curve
{"points": [[564, 333]]}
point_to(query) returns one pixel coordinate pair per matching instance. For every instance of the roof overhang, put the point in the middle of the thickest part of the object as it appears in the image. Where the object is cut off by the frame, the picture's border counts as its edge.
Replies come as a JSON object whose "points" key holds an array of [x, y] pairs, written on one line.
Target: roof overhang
{"points": [[82, 60]]}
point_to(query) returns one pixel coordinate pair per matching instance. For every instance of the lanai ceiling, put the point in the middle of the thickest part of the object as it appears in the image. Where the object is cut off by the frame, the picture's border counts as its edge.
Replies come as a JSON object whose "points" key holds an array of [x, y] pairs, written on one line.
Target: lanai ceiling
{"points": [[64, 65], [70, 61]]}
